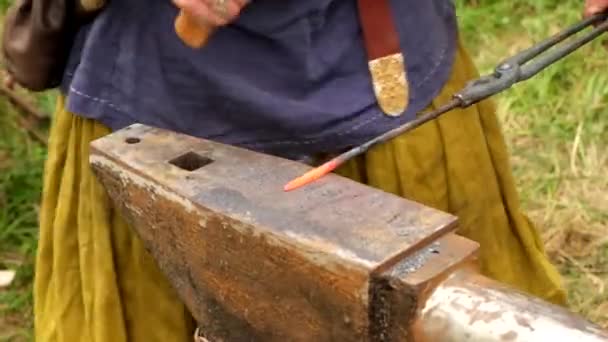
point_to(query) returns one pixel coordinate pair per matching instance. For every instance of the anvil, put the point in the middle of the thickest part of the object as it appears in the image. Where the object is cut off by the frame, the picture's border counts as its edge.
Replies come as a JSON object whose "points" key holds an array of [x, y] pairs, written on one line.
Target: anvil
{"points": [[335, 261]]}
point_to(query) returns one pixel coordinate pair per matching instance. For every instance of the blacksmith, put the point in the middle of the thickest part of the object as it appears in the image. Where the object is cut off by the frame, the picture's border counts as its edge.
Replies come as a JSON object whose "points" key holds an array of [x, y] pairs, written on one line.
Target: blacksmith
{"points": [[285, 77]]}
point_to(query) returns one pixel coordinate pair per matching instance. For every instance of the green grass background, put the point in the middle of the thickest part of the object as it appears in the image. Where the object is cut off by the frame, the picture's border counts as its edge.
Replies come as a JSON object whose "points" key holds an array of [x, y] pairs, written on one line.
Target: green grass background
{"points": [[556, 127]]}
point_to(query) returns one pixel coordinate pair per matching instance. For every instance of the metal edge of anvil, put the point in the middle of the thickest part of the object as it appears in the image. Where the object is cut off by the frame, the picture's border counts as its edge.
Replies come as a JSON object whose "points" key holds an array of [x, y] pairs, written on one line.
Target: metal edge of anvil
{"points": [[104, 148], [401, 291]]}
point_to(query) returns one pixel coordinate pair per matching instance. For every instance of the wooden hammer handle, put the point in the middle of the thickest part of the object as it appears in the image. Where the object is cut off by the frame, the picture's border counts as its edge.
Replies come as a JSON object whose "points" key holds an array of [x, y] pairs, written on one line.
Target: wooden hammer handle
{"points": [[192, 32]]}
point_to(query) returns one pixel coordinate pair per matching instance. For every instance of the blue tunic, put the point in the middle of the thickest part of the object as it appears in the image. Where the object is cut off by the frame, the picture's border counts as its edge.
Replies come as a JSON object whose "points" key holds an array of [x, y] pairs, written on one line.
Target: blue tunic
{"points": [[289, 78]]}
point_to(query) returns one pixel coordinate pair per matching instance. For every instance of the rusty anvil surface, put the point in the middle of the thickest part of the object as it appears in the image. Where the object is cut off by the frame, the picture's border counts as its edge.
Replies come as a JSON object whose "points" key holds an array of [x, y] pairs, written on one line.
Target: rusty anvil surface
{"points": [[280, 264], [335, 261]]}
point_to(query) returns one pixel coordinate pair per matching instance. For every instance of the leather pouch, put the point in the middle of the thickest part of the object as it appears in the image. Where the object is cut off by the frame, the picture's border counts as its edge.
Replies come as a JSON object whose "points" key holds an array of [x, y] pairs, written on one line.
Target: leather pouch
{"points": [[37, 38]]}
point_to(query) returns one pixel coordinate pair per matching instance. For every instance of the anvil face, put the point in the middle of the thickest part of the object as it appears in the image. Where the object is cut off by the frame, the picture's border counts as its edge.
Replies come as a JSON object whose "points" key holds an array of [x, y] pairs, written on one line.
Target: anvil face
{"points": [[269, 265]]}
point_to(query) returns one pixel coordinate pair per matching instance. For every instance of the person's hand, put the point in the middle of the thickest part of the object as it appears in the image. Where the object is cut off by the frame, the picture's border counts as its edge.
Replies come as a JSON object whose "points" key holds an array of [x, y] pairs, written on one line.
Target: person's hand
{"points": [[594, 7], [212, 12]]}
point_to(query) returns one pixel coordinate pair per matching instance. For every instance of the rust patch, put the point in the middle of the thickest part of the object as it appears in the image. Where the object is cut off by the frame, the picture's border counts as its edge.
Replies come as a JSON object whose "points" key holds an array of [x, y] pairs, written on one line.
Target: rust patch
{"points": [[478, 315], [510, 336], [524, 322]]}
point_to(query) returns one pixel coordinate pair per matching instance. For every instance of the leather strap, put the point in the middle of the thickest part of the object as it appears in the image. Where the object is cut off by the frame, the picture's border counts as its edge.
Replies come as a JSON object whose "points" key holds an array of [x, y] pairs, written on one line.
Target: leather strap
{"points": [[385, 58]]}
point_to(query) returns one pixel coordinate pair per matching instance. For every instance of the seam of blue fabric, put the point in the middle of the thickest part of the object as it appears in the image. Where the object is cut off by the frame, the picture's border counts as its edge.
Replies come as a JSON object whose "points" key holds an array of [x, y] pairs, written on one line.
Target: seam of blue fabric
{"points": [[96, 99]]}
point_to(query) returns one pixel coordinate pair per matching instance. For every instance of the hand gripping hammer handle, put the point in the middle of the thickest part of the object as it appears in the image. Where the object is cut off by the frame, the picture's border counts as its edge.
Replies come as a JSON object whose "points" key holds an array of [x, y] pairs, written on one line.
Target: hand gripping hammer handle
{"points": [[192, 32]]}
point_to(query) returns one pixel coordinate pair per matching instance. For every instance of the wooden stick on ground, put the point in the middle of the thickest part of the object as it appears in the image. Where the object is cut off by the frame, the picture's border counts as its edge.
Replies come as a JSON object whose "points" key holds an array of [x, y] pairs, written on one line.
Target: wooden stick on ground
{"points": [[33, 114], [22, 104]]}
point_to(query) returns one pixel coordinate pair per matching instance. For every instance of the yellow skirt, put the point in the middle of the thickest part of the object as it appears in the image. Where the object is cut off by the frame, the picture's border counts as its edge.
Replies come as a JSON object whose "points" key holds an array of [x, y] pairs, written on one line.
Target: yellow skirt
{"points": [[95, 282]]}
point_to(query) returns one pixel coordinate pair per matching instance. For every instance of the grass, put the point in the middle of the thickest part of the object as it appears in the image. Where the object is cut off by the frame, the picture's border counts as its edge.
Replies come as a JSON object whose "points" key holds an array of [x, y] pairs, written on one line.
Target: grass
{"points": [[21, 169], [556, 127]]}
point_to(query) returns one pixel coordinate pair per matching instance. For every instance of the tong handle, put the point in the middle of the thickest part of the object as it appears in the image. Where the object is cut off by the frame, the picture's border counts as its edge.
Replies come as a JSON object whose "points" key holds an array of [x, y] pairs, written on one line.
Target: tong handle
{"points": [[514, 69], [546, 44], [542, 62]]}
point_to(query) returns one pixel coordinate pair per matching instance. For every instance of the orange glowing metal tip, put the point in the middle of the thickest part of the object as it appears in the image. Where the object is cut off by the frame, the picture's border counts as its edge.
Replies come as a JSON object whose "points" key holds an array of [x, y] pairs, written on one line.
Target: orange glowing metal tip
{"points": [[311, 175], [334, 163]]}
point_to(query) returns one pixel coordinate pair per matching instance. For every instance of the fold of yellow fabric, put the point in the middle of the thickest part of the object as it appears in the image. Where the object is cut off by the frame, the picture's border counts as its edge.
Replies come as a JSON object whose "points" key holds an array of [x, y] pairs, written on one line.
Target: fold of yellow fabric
{"points": [[95, 282]]}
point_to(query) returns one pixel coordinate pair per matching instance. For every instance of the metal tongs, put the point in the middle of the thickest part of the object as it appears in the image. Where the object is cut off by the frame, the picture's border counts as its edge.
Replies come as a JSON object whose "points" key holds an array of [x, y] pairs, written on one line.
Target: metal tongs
{"points": [[512, 70], [516, 69]]}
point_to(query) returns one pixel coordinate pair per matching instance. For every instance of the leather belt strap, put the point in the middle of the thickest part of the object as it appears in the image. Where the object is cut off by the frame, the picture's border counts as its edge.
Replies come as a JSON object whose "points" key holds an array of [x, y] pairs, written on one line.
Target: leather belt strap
{"points": [[385, 58]]}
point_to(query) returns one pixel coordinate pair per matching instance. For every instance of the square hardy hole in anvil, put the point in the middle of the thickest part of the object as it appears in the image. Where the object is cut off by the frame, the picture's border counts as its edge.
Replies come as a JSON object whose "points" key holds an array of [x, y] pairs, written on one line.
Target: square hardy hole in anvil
{"points": [[190, 161]]}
